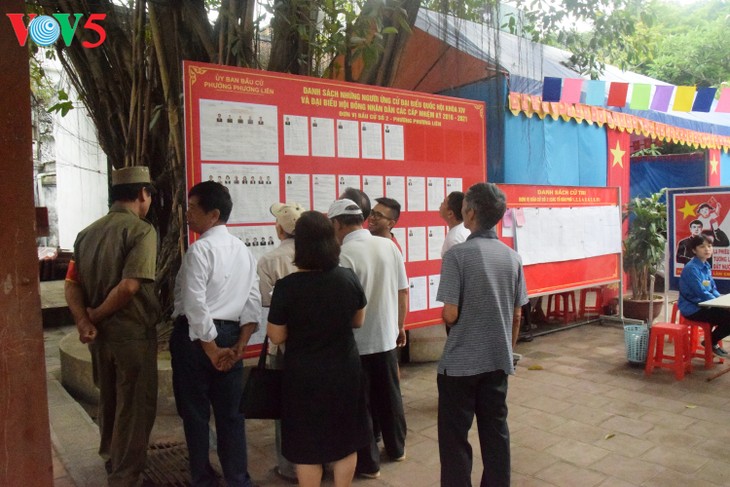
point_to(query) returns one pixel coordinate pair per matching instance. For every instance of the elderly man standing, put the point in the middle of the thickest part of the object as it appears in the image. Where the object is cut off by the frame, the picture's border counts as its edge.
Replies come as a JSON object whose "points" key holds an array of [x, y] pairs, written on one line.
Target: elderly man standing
{"points": [[217, 308], [482, 288], [379, 266], [110, 292], [450, 211], [271, 267]]}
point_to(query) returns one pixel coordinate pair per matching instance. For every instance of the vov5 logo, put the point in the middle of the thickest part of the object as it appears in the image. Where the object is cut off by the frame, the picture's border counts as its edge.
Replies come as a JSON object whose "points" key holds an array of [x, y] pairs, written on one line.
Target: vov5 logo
{"points": [[45, 30]]}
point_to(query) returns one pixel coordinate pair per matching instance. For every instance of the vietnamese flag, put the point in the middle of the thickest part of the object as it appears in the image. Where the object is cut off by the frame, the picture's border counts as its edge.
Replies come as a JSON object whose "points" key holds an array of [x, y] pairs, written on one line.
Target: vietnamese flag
{"points": [[619, 155], [713, 167]]}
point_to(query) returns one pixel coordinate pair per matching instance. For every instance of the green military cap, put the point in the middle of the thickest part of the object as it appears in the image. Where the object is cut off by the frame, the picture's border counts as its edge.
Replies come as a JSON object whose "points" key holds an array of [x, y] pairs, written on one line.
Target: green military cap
{"points": [[131, 175]]}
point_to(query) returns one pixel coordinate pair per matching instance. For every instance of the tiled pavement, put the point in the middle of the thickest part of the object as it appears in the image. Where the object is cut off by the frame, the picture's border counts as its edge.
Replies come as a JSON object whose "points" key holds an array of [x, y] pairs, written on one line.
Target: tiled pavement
{"points": [[586, 419]]}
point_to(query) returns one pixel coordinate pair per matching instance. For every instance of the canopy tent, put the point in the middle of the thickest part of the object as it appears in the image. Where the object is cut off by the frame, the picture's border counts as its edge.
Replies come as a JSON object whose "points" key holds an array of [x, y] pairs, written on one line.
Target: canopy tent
{"points": [[533, 142]]}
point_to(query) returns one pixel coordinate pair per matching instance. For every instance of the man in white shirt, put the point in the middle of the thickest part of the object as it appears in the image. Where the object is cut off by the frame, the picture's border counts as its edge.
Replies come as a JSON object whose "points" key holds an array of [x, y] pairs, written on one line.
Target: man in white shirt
{"points": [[217, 308], [379, 266], [450, 211], [271, 267]]}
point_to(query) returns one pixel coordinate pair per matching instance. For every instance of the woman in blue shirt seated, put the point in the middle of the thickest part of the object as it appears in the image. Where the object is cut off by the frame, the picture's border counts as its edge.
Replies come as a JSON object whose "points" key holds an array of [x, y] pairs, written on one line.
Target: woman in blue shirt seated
{"points": [[696, 285]]}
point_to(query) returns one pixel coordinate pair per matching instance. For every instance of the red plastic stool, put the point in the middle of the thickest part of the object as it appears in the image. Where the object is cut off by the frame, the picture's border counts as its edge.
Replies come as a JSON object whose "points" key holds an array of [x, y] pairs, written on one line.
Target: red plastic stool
{"points": [[695, 345], [559, 306], [597, 307], [681, 361]]}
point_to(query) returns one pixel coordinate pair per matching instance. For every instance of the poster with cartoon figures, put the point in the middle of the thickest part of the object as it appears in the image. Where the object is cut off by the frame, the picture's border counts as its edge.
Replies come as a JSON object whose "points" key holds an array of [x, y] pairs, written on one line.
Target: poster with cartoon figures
{"points": [[695, 211]]}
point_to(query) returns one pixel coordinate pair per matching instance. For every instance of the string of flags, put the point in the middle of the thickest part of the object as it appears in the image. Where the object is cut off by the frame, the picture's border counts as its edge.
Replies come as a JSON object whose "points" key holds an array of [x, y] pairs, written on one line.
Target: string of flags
{"points": [[686, 98]]}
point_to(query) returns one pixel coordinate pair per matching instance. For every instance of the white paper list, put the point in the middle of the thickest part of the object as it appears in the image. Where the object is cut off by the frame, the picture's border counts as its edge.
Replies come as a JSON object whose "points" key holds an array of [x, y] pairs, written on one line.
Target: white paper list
{"points": [[296, 136], [394, 145], [345, 181], [416, 193], [417, 294], [348, 139], [323, 137], [372, 140], [373, 187], [436, 236], [395, 187], [416, 244], [324, 191], [296, 187], [433, 289], [435, 192]]}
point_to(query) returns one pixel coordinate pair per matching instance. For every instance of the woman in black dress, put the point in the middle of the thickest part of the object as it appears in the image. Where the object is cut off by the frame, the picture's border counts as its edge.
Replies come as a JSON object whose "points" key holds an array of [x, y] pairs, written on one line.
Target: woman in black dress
{"points": [[324, 415]]}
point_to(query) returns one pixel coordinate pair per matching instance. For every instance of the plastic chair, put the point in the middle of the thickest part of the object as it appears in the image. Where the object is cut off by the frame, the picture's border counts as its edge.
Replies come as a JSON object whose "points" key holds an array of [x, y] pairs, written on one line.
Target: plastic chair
{"points": [[681, 361], [561, 306], [701, 331], [597, 307]]}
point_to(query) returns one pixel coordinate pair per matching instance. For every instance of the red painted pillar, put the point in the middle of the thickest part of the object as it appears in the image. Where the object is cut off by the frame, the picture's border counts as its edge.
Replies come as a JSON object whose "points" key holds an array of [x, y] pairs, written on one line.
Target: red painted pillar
{"points": [[25, 456]]}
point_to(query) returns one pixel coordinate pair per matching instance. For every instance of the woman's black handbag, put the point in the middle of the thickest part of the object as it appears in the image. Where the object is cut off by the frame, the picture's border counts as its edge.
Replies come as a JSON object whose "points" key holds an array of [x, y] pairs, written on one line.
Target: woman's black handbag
{"points": [[262, 390]]}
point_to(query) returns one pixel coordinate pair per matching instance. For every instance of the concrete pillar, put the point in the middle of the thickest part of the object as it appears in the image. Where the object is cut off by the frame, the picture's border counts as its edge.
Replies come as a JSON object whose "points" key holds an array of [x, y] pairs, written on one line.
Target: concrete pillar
{"points": [[25, 444]]}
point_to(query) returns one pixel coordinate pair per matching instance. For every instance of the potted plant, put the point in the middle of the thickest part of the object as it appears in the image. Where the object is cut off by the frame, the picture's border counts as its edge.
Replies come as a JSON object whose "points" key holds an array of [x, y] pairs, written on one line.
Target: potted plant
{"points": [[644, 248]]}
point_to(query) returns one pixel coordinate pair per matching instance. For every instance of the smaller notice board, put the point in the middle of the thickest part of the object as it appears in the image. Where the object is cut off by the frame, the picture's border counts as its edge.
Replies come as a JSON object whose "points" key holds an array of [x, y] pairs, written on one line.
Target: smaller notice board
{"points": [[569, 237], [273, 137]]}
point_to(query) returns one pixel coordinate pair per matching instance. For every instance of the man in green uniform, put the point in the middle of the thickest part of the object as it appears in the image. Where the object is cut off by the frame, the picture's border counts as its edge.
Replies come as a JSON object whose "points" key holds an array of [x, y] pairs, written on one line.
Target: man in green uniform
{"points": [[110, 292]]}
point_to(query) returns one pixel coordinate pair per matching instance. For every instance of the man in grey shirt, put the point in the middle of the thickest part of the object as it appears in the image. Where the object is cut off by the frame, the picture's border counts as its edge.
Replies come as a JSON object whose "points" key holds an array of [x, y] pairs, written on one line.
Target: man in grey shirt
{"points": [[482, 288]]}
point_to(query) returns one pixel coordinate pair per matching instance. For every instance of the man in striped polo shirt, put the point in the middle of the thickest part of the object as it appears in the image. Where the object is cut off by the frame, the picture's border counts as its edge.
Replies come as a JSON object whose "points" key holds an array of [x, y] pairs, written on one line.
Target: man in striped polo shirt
{"points": [[482, 288]]}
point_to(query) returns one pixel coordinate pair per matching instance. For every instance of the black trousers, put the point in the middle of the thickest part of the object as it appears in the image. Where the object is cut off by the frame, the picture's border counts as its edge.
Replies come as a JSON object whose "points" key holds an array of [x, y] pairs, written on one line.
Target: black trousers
{"points": [[198, 386], [382, 390], [460, 398], [720, 317]]}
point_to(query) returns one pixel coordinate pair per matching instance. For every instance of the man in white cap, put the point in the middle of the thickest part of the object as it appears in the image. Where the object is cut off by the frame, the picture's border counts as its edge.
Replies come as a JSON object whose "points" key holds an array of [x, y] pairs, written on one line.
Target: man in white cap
{"points": [[271, 267], [379, 266], [110, 292]]}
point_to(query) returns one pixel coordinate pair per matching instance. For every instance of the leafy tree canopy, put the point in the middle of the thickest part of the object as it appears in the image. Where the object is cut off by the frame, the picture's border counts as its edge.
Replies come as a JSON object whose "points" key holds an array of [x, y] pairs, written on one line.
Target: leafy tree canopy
{"points": [[691, 44]]}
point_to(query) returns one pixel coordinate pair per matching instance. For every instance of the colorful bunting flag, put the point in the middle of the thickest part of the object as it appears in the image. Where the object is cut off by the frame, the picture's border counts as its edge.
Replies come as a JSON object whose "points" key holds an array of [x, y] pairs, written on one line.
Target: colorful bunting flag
{"points": [[683, 98], [723, 105], [640, 96], [595, 92], [704, 99], [571, 90], [551, 89], [617, 94], [567, 91], [662, 96]]}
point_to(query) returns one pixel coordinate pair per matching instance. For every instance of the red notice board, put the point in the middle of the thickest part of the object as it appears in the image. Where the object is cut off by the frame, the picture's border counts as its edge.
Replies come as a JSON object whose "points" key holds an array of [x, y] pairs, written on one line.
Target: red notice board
{"points": [[589, 221], [275, 137]]}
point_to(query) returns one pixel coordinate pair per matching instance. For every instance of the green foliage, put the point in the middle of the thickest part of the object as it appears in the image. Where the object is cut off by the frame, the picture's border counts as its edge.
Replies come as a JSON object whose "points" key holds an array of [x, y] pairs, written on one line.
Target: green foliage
{"points": [[692, 45], [644, 245], [64, 105], [652, 150], [595, 31], [463, 9]]}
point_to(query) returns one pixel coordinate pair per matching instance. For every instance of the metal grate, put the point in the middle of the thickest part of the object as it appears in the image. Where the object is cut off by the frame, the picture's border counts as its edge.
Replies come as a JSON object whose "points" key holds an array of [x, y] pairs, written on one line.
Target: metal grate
{"points": [[167, 465]]}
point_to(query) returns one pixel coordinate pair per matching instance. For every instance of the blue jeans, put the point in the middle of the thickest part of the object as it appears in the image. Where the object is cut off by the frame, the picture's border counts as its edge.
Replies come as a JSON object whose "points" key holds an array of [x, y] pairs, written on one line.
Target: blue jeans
{"points": [[198, 386]]}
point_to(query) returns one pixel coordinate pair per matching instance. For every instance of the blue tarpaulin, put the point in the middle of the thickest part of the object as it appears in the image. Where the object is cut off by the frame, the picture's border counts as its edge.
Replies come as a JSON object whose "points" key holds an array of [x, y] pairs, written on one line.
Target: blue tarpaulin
{"points": [[554, 152], [651, 174]]}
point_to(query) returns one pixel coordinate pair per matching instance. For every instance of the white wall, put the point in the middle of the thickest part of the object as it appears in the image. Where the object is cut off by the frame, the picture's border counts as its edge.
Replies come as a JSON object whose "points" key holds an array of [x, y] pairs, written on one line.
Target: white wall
{"points": [[81, 168]]}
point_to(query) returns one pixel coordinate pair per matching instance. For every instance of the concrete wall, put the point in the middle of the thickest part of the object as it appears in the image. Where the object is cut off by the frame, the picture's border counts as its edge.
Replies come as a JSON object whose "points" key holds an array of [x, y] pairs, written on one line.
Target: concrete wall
{"points": [[82, 190]]}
